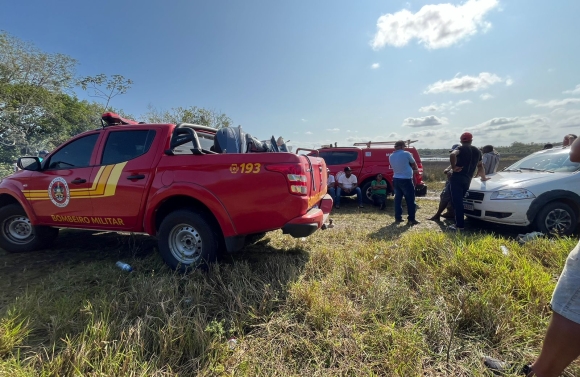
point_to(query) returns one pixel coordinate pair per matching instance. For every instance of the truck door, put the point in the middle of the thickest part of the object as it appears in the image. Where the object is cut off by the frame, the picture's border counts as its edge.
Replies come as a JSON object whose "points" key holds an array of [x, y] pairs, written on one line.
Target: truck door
{"points": [[124, 174], [60, 193]]}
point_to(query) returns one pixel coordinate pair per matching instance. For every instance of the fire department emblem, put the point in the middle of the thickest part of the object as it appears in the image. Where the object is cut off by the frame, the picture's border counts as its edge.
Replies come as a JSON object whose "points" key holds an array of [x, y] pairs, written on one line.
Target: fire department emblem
{"points": [[58, 192], [234, 168]]}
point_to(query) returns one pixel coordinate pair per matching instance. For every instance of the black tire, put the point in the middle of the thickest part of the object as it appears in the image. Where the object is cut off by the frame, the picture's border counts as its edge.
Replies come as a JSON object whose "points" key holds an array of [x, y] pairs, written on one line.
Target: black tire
{"points": [[556, 218], [17, 235], [187, 241]]}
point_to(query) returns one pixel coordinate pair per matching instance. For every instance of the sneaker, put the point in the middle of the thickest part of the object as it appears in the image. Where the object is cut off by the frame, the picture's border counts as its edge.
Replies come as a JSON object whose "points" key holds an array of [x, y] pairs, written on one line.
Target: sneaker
{"points": [[434, 218], [501, 368], [398, 220], [448, 215], [413, 222]]}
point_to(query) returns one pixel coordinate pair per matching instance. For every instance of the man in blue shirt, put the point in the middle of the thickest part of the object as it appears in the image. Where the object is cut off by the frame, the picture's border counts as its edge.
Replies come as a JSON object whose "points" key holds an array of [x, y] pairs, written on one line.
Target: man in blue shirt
{"points": [[404, 166]]}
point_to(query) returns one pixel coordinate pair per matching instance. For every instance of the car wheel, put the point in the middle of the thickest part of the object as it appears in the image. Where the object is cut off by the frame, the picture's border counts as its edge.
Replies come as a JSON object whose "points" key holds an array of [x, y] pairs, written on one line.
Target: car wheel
{"points": [[556, 218], [367, 193], [18, 235], [187, 241]]}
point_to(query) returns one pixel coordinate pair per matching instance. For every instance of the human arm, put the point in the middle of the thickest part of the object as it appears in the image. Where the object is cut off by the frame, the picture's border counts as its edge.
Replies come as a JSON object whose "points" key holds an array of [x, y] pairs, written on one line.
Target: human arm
{"points": [[453, 161], [575, 151], [415, 168], [481, 171]]}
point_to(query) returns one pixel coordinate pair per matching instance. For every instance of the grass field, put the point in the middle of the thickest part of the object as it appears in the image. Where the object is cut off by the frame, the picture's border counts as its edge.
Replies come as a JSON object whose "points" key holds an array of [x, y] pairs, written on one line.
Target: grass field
{"points": [[365, 298]]}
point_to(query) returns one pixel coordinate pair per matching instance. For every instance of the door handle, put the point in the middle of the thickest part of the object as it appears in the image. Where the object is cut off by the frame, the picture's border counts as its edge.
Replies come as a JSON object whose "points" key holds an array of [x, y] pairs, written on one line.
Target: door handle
{"points": [[136, 176], [78, 181]]}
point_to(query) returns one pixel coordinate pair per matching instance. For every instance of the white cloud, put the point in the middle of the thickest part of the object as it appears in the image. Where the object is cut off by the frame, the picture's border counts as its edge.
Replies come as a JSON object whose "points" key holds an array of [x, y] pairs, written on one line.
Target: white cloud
{"points": [[304, 120], [553, 103], [375, 65], [509, 82], [434, 26], [308, 133], [574, 91], [445, 106], [486, 96], [333, 129], [427, 121], [464, 83], [550, 70]]}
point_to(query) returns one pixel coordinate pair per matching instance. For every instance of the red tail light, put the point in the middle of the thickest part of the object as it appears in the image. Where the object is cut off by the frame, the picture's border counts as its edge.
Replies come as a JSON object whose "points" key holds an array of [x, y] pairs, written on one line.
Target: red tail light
{"points": [[295, 176]]}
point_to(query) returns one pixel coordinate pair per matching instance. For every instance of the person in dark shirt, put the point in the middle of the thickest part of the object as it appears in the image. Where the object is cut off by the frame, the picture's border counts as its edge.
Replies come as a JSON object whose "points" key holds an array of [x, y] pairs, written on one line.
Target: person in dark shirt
{"points": [[464, 161]]}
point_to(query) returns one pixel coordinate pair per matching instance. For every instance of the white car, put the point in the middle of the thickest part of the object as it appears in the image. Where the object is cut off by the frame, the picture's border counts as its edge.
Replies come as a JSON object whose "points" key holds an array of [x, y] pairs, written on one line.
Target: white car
{"points": [[542, 190]]}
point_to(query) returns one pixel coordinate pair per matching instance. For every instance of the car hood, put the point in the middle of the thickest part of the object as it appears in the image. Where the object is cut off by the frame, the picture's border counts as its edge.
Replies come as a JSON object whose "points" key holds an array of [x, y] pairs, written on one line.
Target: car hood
{"points": [[513, 179]]}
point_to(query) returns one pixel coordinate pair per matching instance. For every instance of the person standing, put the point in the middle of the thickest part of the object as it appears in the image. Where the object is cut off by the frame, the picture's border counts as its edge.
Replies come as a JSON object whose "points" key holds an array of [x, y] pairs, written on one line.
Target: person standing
{"points": [[490, 159], [568, 140], [42, 155], [404, 166], [464, 160], [347, 185], [445, 196], [379, 190]]}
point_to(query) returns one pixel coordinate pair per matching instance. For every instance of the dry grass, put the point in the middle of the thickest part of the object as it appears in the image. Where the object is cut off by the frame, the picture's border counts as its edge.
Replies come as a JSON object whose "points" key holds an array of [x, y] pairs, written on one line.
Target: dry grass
{"points": [[365, 298]]}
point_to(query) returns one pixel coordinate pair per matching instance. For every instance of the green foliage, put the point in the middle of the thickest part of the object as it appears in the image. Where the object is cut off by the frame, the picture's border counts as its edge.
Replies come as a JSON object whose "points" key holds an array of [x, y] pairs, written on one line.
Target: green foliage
{"points": [[105, 87], [515, 149], [192, 114]]}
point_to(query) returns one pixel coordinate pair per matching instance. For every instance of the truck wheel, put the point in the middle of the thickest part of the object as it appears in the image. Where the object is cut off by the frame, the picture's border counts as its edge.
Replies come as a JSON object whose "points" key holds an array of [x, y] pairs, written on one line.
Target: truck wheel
{"points": [[367, 193], [186, 241], [18, 235], [556, 218]]}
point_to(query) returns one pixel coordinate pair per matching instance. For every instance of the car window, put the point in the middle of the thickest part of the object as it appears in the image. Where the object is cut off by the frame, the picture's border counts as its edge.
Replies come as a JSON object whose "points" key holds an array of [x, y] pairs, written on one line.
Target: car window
{"points": [[126, 145], [205, 140], [338, 157], [559, 162], [76, 154]]}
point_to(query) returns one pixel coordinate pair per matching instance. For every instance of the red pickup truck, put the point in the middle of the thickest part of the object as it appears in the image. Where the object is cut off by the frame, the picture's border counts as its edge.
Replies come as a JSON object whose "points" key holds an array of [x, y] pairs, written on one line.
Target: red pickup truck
{"points": [[167, 181], [367, 160]]}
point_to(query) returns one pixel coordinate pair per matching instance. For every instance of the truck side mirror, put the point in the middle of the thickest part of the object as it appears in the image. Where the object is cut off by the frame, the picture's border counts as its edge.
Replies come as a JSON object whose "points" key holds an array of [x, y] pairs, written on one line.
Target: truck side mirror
{"points": [[29, 163]]}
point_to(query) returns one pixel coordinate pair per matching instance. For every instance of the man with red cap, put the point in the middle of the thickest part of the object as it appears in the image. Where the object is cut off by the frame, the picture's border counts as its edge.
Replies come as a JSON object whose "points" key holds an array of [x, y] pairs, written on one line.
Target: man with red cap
{"points": [[464, 160]]}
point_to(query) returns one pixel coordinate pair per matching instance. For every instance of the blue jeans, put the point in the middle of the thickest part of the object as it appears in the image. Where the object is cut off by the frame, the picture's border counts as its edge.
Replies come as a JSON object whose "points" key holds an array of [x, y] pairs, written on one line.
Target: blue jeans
{"points": [[340, 192], [459, 186], [332, 192], [406, 188]]}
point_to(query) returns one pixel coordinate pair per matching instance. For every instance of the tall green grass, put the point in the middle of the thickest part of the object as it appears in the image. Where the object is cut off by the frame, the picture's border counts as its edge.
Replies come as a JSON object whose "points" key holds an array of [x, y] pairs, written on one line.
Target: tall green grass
{"points": [[365, 298]]}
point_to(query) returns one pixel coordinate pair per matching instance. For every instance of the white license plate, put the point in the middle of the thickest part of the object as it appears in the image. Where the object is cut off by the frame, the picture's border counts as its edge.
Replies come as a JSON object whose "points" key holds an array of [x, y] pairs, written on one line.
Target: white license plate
{"points": [[468, 206]]}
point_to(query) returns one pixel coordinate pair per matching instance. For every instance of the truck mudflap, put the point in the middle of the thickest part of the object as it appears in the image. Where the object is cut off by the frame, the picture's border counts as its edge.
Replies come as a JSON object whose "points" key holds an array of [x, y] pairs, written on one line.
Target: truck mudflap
{"points": [[308, 223]]}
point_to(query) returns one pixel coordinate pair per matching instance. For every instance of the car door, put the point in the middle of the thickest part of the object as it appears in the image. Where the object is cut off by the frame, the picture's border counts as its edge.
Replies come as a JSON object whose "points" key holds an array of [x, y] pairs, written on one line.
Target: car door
{"points": [[60, 193], [124, 174]]}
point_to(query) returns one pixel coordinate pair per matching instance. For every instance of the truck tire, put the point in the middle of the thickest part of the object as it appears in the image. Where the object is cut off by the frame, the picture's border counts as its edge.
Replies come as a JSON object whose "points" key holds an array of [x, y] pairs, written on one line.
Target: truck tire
{"points": [[187, 241], [556, 218], [17, 235]]}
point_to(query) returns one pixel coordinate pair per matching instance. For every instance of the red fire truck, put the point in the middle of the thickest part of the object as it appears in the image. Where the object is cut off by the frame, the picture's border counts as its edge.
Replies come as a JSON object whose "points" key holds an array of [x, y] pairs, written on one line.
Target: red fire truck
{"points": [[196, 188]]}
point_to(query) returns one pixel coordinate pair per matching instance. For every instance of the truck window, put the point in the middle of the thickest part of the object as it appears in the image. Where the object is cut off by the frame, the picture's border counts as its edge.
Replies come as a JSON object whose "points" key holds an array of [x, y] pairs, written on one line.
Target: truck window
{"points": [[126, 145], [76, 154], [339, 157], [205, 140]]}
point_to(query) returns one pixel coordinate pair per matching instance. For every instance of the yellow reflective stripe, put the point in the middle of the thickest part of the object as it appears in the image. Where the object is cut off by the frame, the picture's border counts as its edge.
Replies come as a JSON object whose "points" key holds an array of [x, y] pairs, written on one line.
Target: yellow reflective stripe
{"points": [[114, 179]]}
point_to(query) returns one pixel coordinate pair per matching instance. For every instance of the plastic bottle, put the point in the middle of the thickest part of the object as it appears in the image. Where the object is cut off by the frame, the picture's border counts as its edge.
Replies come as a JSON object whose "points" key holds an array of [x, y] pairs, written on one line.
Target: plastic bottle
{"points": [[124, 266]]}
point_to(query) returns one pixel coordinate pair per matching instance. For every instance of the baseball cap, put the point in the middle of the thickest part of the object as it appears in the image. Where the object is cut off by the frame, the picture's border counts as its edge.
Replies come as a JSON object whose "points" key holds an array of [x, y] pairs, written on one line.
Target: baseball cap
{"points": [[454, 147], [466, 136], [347, 168]]}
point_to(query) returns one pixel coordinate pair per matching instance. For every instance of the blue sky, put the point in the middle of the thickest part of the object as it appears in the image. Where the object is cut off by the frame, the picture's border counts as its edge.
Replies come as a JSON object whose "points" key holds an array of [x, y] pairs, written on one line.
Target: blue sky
{"points": [[332, 71]]}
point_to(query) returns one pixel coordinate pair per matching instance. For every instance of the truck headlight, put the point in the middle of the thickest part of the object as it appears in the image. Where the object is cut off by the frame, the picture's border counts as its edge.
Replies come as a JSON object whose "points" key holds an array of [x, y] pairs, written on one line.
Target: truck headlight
{"points": [[513, 194]]}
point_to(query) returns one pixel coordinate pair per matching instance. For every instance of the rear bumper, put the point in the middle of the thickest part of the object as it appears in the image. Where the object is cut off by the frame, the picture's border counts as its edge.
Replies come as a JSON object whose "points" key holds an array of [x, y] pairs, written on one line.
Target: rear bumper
{"points": [[308, 223]]}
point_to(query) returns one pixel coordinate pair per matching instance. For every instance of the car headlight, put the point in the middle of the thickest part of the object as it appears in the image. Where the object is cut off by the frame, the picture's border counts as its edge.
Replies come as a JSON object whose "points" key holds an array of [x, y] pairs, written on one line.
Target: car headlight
{"points": [[513, 194]]}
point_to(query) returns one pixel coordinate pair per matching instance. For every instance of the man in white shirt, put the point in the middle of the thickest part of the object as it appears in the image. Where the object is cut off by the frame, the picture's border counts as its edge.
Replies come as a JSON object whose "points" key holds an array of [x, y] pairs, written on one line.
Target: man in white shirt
{"points": [[348, 186], [490, 159]]}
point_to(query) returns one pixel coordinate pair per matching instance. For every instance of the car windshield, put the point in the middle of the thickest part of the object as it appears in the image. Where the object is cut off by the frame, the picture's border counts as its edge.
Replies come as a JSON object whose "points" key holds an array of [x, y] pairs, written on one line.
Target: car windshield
{"points": [[553, 161]]}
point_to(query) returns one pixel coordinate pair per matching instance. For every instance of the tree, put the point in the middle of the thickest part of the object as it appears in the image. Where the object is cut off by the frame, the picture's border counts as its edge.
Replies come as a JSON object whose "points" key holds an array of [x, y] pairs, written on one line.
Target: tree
{"points": [[105, 87], [192, 114]]}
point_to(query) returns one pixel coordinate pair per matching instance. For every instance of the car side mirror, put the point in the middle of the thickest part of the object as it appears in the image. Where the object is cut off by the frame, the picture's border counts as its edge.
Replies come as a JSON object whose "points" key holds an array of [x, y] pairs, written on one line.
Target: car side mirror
{"points": [[29, 163]]}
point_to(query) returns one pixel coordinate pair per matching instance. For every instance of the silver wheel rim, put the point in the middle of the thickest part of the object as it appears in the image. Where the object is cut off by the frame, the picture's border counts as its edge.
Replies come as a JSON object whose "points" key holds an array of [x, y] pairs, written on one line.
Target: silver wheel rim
{"points": [[369, 193], [185, 244], [558, 220], [18, 229]]}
